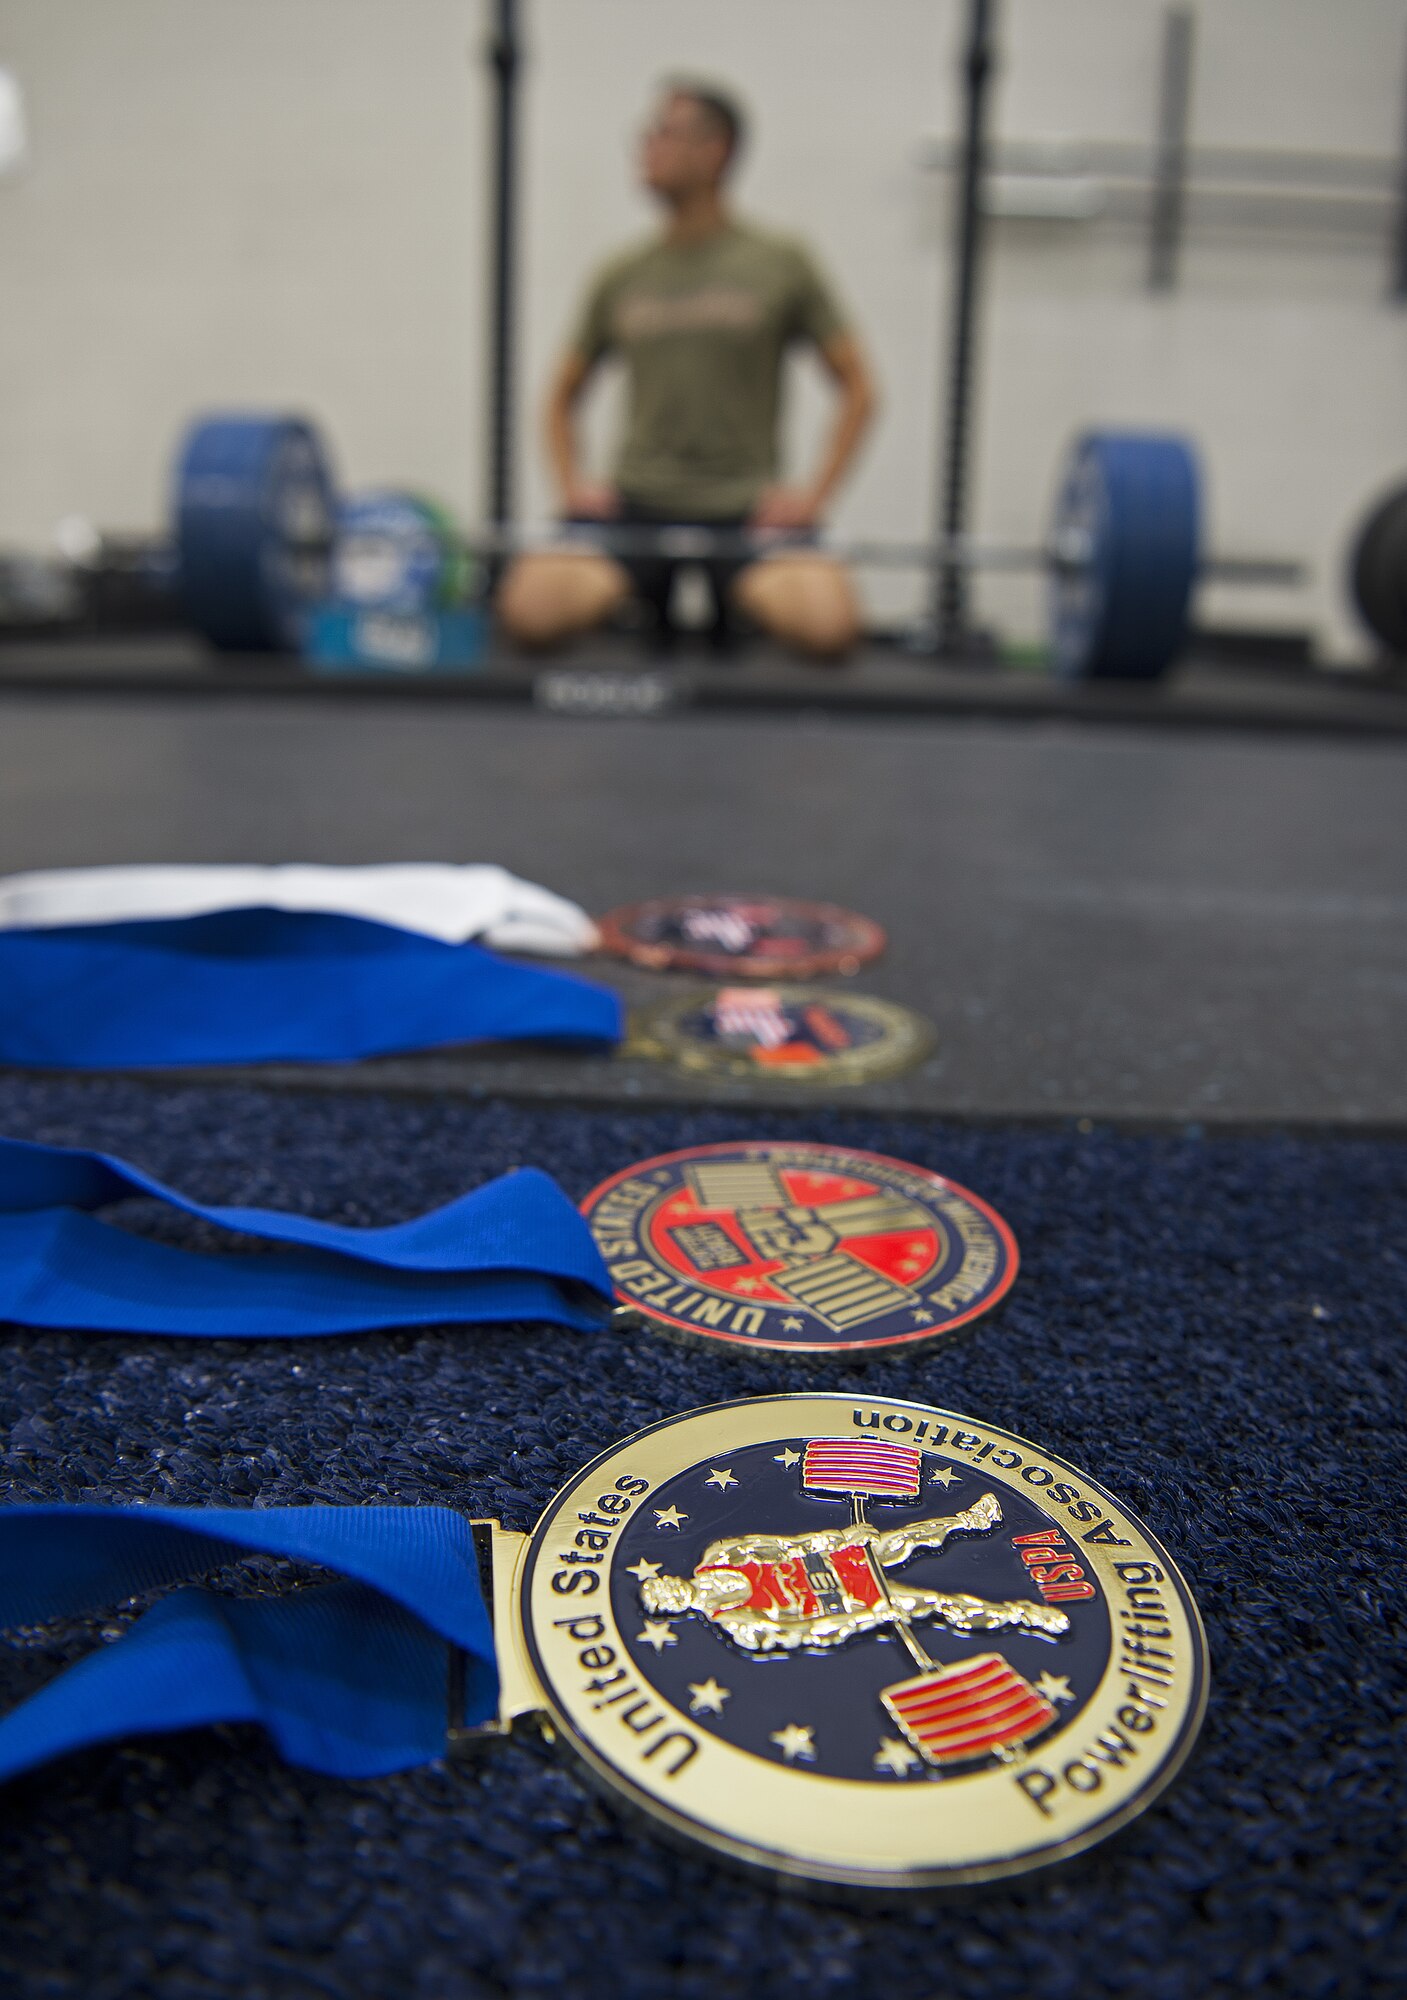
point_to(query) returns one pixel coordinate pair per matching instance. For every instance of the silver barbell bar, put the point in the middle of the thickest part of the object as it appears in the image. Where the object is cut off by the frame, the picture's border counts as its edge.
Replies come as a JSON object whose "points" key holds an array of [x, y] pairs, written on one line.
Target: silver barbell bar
{"points": [[1069, 552]]}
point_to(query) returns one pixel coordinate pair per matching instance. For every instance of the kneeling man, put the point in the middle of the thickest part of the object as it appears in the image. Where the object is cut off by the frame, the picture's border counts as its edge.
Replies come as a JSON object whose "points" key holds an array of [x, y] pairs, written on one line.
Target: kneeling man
{"points": [[702, 316]]}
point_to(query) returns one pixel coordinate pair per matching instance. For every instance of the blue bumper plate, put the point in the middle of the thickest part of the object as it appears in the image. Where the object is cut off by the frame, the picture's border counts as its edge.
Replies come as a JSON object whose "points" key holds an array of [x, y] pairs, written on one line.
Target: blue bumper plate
{"points": [[254, 517], [1125, 541]]}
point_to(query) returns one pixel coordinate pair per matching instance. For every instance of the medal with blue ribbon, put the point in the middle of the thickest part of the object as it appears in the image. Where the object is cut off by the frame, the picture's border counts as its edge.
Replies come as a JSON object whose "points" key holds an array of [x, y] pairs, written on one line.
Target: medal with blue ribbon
{"points": [[707, 1613], [515, 1249], [255, 986]]}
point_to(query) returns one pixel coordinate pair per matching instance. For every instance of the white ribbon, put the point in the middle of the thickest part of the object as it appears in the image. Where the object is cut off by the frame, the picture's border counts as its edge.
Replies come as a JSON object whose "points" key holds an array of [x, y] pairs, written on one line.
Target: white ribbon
{"points": [[440, 899]]}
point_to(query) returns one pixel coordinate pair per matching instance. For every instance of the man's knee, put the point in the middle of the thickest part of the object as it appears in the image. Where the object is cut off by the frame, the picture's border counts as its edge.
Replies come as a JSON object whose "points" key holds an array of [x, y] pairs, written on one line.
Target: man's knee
{"points": [[546, 598], [807, 602], [828, 624], [529, 601]]}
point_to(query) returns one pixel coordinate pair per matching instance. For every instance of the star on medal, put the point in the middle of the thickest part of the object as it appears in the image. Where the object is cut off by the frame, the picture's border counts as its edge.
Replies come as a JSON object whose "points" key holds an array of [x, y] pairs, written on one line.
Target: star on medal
{"points": [[707, 1697], [787, 1457], [644, 1570], [945, 1477], [669, 1517], [791, 1324], [1055, 1687], [895, 1756], [657, 1634], [721, 1478], [794, 1741]]}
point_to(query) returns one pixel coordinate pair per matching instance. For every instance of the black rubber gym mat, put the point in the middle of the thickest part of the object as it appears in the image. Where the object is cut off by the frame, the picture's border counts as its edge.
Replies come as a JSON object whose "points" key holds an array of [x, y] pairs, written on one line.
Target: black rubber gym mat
{"points": [[1218, 689], [1114, 923], [1212, 1327]]}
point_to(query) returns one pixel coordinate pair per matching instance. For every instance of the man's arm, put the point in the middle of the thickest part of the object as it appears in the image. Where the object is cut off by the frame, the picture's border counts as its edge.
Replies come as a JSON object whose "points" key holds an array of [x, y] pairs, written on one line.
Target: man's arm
{"points": [[898, 1544], [577, 494], [802, 506]]}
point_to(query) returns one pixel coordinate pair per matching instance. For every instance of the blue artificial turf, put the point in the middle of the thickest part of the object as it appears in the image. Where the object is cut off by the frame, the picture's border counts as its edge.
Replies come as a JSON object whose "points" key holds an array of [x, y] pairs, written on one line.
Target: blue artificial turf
{"points": [[1211, 1327]]}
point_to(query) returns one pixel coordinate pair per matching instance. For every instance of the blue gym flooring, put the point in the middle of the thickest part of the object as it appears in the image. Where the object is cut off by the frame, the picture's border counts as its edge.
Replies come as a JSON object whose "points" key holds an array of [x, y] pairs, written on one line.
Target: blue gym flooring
{"points": [[1211, 1326]]}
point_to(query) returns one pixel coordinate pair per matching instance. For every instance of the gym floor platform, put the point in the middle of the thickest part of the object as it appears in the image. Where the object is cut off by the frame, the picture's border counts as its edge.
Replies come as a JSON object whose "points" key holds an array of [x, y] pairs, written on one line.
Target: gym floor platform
{"points": [[1130, 923], [1226, 683]]}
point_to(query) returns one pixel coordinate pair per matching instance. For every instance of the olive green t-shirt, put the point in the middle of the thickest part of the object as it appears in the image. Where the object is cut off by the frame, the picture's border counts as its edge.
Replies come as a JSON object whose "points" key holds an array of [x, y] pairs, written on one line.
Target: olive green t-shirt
{"points": [[702, 329]]}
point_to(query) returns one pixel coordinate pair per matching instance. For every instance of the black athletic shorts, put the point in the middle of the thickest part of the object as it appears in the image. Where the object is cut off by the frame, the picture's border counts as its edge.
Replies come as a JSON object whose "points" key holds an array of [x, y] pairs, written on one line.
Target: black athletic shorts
{"points": [[652, 577]]}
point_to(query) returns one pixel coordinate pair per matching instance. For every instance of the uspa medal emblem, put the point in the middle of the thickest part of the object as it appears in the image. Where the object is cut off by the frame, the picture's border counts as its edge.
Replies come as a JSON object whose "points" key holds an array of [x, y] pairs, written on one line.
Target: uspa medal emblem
{"points": [[790, 1034], [810, 1248], [749, 937], [859, 1642]]}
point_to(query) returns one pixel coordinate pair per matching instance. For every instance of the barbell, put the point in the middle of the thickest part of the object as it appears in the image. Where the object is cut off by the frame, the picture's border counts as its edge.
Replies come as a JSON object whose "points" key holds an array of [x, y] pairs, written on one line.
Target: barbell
{"points": [[262, 538]]}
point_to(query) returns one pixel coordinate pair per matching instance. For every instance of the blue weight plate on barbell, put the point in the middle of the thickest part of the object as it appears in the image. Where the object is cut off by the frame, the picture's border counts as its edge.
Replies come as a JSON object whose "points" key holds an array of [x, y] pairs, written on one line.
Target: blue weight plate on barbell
{"points": [[1125, 537], [254, 508]]}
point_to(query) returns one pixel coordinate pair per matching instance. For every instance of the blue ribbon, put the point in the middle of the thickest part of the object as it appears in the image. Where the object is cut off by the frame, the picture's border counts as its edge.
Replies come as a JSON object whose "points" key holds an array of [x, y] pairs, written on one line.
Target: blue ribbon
{"points": [[250, 986], [349, 1678], [509, 1250]]}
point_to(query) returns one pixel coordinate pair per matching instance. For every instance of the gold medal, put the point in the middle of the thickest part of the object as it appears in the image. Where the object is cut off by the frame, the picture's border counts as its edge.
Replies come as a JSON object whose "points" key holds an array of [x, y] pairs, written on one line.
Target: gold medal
{"points": [[786, 1034], [854, 1640]]}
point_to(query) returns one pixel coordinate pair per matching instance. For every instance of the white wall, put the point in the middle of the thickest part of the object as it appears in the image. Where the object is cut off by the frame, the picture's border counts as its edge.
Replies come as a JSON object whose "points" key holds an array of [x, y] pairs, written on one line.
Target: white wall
{"points": [[242, 202], [282, 202]]}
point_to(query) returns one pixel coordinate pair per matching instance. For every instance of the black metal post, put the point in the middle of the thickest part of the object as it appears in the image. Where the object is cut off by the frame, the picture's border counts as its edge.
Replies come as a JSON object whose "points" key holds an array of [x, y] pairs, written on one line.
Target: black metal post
{"points": [[950, 606], [504, 57], [1169, 192], [1397, 277]]}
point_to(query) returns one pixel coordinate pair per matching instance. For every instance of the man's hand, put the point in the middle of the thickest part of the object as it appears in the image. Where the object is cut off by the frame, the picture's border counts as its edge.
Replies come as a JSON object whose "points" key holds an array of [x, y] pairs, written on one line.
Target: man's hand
{"points": [[785, 507], [590, 500]]}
